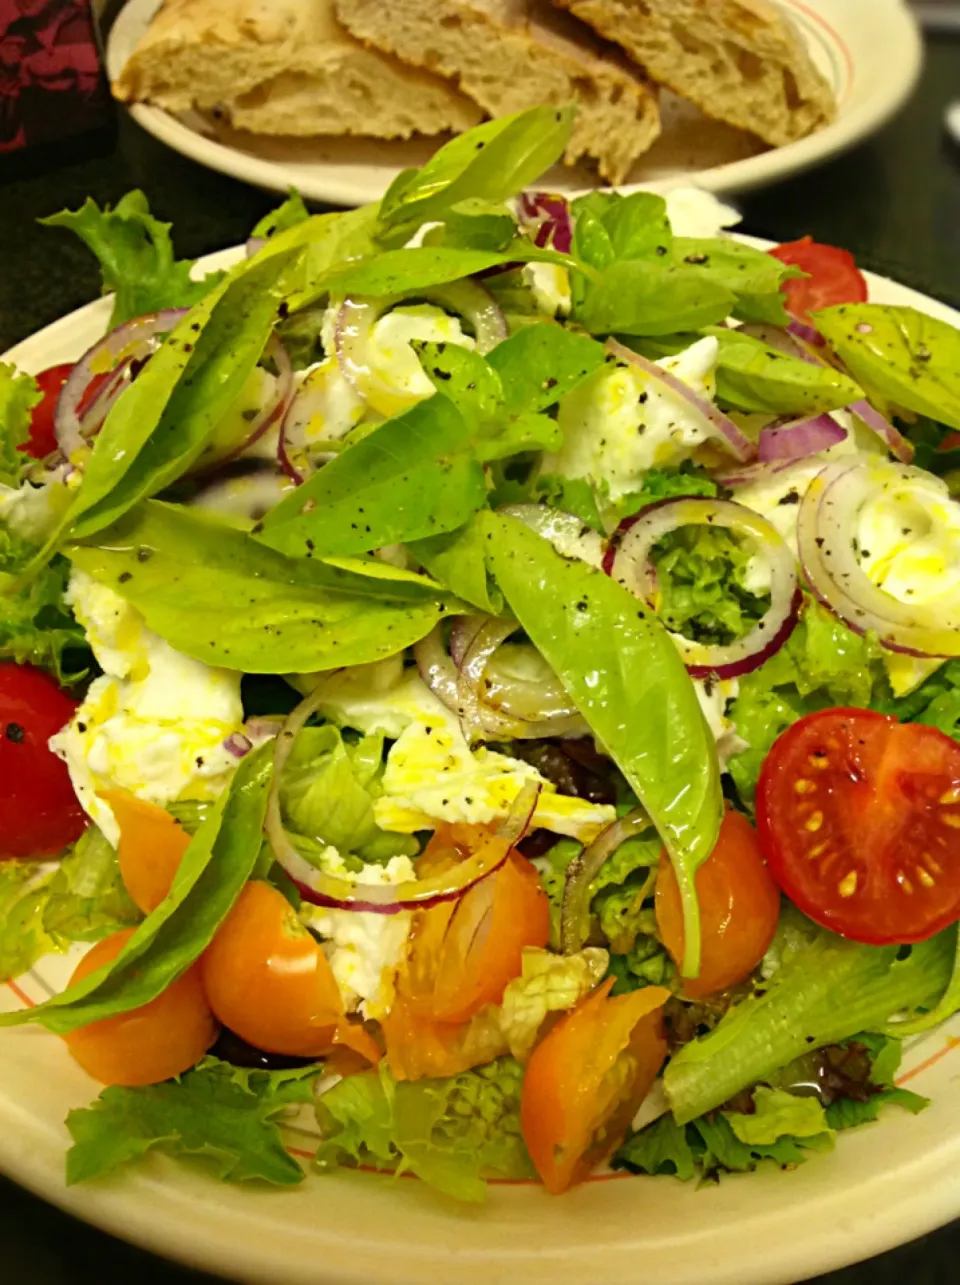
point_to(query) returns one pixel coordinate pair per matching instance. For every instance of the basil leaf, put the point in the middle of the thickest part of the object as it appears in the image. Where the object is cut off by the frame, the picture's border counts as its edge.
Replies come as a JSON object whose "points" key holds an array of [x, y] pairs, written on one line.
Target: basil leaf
{"points": [[168, 417], [458, 560], [413, 476], [540, 364], [492, 162], [753, 276], [609, 228], [474, 224], [208, 881], [898, 355], [641, 297], [754, 377], [627, 679], [218, 594]]}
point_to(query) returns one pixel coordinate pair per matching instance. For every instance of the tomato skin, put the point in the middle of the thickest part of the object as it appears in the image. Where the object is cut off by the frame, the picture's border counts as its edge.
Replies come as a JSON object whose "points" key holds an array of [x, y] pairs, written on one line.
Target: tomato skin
{"points": [[833, 277], [163, 1038], [573, 1111], [739, 909], [419, 1048], [462, 954], [151, 847], [39, 811], [268, 980], [859, 819], [43, 438]]}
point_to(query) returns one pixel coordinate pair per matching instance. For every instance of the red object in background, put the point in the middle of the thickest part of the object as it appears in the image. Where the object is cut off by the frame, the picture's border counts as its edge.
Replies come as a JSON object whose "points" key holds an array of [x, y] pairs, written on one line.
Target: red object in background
{"points": [[52, 84]]}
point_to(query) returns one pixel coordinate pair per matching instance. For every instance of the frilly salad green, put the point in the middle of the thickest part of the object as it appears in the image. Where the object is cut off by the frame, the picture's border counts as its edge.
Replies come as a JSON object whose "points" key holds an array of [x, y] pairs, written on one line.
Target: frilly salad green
{"points": [[397, 628]]}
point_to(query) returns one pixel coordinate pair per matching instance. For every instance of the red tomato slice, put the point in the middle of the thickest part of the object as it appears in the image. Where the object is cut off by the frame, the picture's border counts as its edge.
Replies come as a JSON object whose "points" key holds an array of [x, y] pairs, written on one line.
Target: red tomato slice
{"points": [[832, 277], [859, 820], [43, 439], [39, 812]]}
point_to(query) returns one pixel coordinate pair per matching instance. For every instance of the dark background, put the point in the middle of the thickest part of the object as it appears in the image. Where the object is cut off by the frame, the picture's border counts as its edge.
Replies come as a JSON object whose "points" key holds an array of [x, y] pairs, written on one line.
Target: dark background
{"points": [[895, 202]]}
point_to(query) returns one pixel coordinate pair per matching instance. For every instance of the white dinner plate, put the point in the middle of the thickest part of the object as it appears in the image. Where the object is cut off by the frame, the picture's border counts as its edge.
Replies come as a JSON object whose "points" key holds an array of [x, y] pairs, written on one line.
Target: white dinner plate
{"points": [[884, 1184], [869, 50]]}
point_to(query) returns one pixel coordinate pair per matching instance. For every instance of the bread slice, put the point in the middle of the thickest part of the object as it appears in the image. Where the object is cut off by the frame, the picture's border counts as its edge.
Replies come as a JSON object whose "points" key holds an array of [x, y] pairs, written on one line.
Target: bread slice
{"points": [[284, 67], [739, 61], [513, 54]]}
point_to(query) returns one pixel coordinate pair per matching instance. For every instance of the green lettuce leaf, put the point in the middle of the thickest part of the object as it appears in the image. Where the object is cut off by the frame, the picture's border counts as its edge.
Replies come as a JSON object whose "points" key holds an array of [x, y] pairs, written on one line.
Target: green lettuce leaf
{"points": [[451, 1133], [899, 355], [86, 898], [328, 790], [24, 888], [18, 396], [548, 983], [36, 626], [216, 865], [665, 484], [136, 256], [618, 664], [777, 1114], [847, 1113], [226, 1115], [702, 576], [413, 476], [822, 664], [290, 214], [220, 595]]}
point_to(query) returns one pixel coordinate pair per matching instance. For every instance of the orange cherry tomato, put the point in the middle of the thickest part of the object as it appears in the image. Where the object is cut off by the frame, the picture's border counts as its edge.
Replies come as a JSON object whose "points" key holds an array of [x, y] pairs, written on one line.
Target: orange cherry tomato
{"points": [[162, 1039], [268, 980], [587, 1078], [419, 1047], [461, 954], [151, 847], [739, 909]]}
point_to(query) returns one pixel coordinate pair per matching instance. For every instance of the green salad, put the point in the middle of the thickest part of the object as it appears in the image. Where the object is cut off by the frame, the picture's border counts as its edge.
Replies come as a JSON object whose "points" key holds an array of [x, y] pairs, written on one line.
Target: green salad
{"points": [[480, 684]]}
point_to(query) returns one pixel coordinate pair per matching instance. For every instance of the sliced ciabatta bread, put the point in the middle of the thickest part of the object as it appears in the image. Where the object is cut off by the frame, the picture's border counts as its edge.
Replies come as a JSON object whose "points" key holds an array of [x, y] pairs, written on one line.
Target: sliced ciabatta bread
{"points": [[740, 61], [513, 54], [285, 67]]}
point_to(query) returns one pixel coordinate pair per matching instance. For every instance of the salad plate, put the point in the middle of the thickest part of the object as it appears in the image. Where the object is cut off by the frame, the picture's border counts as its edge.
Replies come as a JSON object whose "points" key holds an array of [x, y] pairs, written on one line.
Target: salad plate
{"points": [[869, 50], [883, 1182]]}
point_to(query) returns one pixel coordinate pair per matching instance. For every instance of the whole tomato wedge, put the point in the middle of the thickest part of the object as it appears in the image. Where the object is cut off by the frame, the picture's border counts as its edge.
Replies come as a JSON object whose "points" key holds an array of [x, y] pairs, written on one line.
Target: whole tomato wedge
{"points": [[461, 954], [39, 811], [151, 846], [586, 1079], [832, 277], [163, 1038], [859, 820], [268, 980], [43, 439], [739, 909]]}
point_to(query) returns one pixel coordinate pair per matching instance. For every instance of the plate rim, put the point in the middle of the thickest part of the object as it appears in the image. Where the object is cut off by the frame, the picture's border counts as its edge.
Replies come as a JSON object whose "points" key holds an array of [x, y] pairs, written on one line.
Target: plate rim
{"points": [[731, 178], [146, 1208]]}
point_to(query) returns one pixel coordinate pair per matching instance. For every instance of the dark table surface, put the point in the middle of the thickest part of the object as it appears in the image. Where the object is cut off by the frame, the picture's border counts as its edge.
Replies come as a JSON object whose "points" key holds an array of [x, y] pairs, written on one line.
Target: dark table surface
{"points": [[895, 202]]}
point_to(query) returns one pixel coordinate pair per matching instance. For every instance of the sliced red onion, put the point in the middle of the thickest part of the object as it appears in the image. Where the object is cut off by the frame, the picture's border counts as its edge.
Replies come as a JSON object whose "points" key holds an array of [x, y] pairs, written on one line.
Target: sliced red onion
{"points": [[133, 341], [826, 535], [358, 316], [809, 334], [300, 454], [384, 899], [545, 217], [891, 437], [799, 438], [238, 745], [628, 562], [750, 473], [436, 667], [781, 341], [712, 420], [584, 868], [569, 536], [262, 728]]}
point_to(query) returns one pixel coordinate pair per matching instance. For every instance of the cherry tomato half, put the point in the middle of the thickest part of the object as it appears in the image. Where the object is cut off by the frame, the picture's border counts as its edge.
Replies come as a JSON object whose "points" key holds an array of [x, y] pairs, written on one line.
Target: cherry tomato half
{"points": [[739, 909], [859, 820], [461, 954], [163, 1038], [832, 277], [268, 980], [586, 1079], [151, 847], [39, 811], [43, 438]]}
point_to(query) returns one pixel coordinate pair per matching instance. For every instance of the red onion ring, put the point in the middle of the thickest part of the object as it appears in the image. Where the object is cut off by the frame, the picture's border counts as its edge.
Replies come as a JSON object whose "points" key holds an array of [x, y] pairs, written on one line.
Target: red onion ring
{"points": [[809, 334], [294, 452], [358, 316], [628, 562], [828, 510], [750, 473], [384, 899], [799, 438], [134, 340], [569, 536], [712, 420], [582, 871], [891, 437]]}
